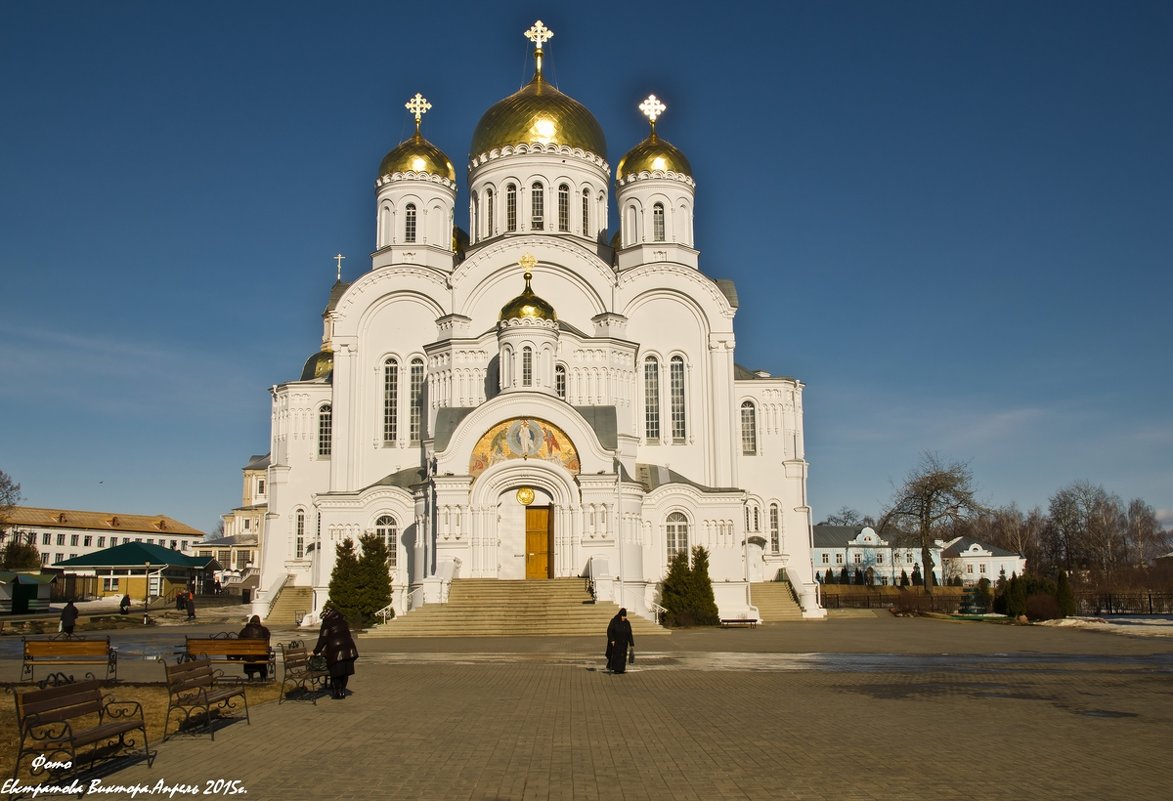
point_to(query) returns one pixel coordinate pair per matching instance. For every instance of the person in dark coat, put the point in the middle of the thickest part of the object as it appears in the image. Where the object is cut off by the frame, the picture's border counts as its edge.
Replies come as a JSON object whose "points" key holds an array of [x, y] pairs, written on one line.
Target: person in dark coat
{"points": [[190, 604], [619, 638], [68, 617], [253, 630], [336, 644], [124, 604]]}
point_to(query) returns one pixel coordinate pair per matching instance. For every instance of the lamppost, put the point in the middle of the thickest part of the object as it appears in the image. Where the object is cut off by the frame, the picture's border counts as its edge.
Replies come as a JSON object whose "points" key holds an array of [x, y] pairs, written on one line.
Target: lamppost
{"points": [[146, 591]]}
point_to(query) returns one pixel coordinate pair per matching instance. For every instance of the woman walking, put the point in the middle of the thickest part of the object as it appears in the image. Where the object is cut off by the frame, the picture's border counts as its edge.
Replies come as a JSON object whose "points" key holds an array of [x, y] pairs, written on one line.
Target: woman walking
{"points": [[335, 642], [618, 639]]}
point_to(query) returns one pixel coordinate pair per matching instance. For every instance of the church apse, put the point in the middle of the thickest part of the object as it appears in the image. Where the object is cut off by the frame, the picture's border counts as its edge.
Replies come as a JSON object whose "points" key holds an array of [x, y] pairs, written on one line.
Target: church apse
{"points": [[523, 438]]}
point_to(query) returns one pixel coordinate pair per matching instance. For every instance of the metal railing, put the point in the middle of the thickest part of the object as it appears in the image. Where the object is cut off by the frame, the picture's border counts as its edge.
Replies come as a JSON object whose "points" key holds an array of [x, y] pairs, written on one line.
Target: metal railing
{"points": [[386, 612], [660, 611], [411, 598]]}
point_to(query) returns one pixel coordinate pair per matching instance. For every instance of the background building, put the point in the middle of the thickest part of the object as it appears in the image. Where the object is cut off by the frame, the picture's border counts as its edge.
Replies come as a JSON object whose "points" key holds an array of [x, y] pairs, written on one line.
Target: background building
{"points": [[61, 534]]}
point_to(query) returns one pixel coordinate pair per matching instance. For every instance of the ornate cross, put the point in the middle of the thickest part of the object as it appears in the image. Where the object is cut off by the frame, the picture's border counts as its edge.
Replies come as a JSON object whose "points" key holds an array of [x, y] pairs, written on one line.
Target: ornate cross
{"points": [[418, 106], [652, 108], [539, 34], [527, 263], [338, 258]]}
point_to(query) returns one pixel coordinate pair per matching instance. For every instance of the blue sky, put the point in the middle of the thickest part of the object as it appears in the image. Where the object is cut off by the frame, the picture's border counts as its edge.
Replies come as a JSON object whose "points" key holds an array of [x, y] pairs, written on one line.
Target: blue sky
{"points": [[952, 220]]}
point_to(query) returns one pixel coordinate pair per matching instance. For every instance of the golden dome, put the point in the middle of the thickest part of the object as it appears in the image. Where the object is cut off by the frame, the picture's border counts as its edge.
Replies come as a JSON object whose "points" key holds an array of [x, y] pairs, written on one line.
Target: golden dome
{"points": [[318, 365], [417, 155], [650, 155], [538, 113], [527, 305]]}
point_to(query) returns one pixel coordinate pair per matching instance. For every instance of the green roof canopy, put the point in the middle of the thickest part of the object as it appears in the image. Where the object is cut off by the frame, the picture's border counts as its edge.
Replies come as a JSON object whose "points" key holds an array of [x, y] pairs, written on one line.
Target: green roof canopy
{"points": [[136, 554]]}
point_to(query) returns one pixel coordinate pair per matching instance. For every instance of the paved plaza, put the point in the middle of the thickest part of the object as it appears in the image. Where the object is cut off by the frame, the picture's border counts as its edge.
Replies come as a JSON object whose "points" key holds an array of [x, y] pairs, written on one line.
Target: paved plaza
{"points": [[865, 707]]}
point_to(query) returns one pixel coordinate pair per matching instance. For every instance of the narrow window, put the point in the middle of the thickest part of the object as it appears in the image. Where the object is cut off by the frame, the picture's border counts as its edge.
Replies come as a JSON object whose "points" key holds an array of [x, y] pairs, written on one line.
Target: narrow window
{"points": [[775, 538], [511, 208], [409, 223], [388, 531], [560, 382], [676, 381], [416, 399], [658, 222], [299, 541], [46, 538], [475, 211], [527, 366], [677, 534], [757, 519], [652, 400], [490, 221], [563, 208], [537, 205], [390, 400], [325, 430], [586, 212], [749, 429]]}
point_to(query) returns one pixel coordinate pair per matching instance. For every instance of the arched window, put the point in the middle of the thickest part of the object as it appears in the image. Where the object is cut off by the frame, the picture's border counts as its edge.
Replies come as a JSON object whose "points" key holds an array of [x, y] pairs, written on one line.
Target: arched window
{"points": [[511, 208], [586, 212], [652, 400], [409, 223], [388, 531], [658, 222], [563, 208], [676, 390], [560, 382], [490, 220], [775, 538], [390, 400], [474, 222], [325, 430], [676, 534], [527, 366], [757, 519], [749, 429], [537, 204], [299, 535], [416, 399]]}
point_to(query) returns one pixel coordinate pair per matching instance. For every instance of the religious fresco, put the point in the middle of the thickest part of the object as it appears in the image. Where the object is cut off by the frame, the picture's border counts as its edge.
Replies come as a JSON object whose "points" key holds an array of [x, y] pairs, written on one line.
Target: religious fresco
{"points": [[523, 438]]}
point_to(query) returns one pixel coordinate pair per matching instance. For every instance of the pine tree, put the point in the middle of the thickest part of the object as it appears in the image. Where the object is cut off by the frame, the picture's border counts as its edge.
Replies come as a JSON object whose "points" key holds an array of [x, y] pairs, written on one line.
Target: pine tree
{"points": [[830, 577], [858, 576], [701, 590], [373, 590], [843, 577], [344, 581], [674, 590], [904, 578], [19, 555]]}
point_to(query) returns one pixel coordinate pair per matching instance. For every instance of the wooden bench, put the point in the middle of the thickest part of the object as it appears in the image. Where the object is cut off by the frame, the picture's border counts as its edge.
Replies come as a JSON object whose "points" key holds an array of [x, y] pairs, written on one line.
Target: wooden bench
{"points": [[227, 648], [192, 691], [68, 721], [297, 674], [66, 649], [726, 622]]}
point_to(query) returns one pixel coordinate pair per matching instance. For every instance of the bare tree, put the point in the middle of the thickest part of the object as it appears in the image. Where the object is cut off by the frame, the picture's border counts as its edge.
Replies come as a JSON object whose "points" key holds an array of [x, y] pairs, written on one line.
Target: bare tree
{"points": [[1088, 530], [934, 497], [9, 495], [846, 516]]}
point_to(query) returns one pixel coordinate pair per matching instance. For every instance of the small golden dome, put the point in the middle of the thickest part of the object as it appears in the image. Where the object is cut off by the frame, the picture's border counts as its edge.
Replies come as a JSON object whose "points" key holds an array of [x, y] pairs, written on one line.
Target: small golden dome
{"points": [[538, 113], [527, 305], [318, 365], [650, 155], [417, 155]]}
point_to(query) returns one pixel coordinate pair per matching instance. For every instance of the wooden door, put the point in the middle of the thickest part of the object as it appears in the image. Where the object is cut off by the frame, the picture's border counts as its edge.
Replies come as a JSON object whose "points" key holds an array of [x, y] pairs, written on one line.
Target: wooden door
{"points": [[537, 542]]}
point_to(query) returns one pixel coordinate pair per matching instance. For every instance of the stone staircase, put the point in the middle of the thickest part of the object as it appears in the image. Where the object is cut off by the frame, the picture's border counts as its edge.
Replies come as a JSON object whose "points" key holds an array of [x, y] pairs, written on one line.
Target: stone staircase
{"points": [[495, 608], [775, 601], [289, 602]]}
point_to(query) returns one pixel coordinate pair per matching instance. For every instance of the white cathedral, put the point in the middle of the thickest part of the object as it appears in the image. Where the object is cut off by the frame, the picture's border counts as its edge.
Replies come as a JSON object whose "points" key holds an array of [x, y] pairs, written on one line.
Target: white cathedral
{"points": [[536, 399]]}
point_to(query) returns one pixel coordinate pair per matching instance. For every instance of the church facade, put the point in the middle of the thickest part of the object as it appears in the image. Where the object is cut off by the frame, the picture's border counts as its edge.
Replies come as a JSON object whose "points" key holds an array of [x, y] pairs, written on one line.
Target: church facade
{"points": [[536, 399]]}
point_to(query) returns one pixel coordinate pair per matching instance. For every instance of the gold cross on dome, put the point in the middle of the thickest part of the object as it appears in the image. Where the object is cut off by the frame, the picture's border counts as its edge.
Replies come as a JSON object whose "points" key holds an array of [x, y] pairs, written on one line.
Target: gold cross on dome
{"points": [[539, 34], [418, 106], [652, 108], [338, 258]]}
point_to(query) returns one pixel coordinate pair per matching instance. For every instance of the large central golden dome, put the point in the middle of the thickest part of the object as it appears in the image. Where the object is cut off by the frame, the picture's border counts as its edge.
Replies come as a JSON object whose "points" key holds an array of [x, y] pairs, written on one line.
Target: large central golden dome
{"points": [[538, 113]]}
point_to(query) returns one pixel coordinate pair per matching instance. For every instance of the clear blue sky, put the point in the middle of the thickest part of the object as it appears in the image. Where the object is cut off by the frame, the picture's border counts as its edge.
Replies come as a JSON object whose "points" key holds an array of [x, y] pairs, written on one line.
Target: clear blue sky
{"points": [[952, 220]]}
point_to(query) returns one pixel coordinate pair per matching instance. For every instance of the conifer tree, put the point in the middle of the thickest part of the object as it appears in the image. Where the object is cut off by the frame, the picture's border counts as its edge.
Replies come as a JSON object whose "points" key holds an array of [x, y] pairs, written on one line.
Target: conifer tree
{"points": [[829, 578], [343, 582], [843, 577], [904, 578], [704, 605], [373, 587], [674, 590]]}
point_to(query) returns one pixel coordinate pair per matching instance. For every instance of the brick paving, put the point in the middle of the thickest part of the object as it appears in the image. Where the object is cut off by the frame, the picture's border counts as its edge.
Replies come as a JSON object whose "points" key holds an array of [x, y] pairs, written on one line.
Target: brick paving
{"points": [[1006, 713]]}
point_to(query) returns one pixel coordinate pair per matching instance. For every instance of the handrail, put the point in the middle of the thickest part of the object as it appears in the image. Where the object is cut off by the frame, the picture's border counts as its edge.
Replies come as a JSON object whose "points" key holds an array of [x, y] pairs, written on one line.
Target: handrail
{"points": [[274, 590], [385, 612], [411, 595], [659, 610]]}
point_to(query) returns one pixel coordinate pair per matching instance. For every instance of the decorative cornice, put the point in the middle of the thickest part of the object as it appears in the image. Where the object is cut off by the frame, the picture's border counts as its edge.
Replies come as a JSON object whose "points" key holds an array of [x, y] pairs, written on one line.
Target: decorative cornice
{"points": [[660, 175], [528, 322], [538, 147], [427, 177]]}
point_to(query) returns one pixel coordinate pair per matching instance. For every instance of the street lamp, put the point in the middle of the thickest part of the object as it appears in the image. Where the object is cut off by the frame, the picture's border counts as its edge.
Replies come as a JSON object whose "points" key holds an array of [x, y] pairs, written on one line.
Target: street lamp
{"points": [[146, 591]]}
